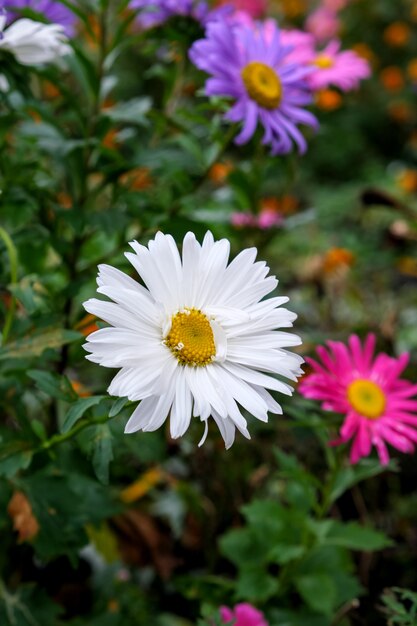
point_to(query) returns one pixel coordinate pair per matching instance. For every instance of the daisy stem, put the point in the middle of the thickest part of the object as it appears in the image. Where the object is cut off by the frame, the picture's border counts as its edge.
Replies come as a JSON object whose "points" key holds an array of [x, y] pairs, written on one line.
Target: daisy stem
{"points": [[13, 259], [81, 425]]}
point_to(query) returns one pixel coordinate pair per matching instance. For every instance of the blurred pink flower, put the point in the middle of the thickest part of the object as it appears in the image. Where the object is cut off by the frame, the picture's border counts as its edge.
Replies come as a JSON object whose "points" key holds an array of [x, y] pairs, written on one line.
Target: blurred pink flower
{"points": [[329, 66], [368, 390], [302, 44], [254, 8], [243, 614], [242, 220], [344, 69], [323, 24], [269, 218]]}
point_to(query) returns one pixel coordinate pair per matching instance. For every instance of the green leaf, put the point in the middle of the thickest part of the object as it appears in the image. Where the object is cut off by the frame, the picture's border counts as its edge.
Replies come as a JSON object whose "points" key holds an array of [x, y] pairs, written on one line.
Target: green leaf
{"points": [[256, 585], [34, 345], [283, 553], [118, 406], [53, 385], [102, 452], [64, 504], [15, 456], [133, 111], [318, 591], [356, 537], [243, 548], [349, 476], [77, 410], [28, 606]]}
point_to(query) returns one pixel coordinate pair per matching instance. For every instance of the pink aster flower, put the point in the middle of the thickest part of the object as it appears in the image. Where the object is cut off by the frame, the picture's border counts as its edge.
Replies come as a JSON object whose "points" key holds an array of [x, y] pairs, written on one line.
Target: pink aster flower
{"points": [[244, 614], [250, 66], [369, 391], [254, 8], [323, 24], [301, 45], [344, 69]]}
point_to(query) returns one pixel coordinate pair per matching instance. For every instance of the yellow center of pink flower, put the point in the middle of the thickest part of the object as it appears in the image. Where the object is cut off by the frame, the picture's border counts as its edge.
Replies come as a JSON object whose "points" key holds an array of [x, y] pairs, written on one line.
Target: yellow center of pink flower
{"points": [[367, 398], [262, 84], [323, 61], [191, 338]]}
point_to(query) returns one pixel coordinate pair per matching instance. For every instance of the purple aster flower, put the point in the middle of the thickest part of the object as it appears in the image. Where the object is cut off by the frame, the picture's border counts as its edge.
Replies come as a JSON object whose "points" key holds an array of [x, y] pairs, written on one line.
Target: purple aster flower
{"points": [[156, 12], [52, 10], [249, 65]]}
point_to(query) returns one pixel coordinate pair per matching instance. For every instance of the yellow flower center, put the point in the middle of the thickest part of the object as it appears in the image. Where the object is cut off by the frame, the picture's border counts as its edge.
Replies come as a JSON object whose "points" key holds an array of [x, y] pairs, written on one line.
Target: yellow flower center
{"points": [[262, 84], [366, 398], [323, 61], [191, 338]]}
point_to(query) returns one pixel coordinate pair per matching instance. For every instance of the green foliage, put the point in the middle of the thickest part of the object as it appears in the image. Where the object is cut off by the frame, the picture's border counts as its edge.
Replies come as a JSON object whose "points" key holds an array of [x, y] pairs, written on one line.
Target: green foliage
{"points": [[400, 606]]}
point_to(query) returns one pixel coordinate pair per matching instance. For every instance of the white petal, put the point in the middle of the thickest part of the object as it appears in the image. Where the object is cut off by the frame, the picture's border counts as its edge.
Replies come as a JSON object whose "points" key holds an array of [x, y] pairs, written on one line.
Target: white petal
{"points": [[181, 407], [227, 429]]}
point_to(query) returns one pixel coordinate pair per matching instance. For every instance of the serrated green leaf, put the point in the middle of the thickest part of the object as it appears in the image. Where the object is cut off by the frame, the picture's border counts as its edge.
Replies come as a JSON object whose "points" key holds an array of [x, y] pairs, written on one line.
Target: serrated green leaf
{"points": [[53, 385], [77, 410], [318, 591], [35, 344], [349, 476], [256, 585], [356, 537]]}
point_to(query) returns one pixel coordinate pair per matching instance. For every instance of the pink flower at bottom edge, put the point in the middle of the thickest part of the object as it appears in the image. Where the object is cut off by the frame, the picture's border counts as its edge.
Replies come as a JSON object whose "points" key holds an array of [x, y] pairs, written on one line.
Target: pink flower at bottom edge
{"points": [[368, 390], [244, 614]]}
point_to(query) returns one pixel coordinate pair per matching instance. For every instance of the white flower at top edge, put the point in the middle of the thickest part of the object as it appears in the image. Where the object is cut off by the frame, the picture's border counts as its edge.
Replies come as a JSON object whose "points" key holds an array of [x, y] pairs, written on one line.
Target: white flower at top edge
{"points": [[197, 340], [33, 42]]}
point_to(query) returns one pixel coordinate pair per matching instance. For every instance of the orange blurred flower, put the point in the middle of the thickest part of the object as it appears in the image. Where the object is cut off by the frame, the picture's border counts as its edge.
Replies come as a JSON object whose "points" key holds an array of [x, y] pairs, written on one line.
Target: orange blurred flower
{"points": [[328, 99], [138, 179], [142, 486], [293, 8], [80, 389], [87, 325], [24, 522], [287, 205], [337, 259], [220, 171], [397, 34], [400, 111], [93, 34], [364, 51], [407, 265], [407, 180], [64, 199], [412, 69], [392, 78], [50, 90], [109, 140]]}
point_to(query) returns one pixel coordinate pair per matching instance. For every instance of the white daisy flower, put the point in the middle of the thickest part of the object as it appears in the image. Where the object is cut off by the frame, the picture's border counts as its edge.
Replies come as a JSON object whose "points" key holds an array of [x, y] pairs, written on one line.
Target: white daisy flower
{"points": [[33, 42], [197, 340]]}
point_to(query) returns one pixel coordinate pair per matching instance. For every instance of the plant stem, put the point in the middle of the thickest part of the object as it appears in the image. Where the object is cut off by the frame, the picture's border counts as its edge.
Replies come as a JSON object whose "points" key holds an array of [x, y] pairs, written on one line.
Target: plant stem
{"points": [[13, 259]]}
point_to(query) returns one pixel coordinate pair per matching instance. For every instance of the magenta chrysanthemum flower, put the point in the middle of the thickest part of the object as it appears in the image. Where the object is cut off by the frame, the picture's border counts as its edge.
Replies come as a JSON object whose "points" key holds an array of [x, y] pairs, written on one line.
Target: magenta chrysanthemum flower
{"points": [[344, 69], [249, 65], [323, 24], [330, 66], [244, 614], [369, 391], [51, 10]]}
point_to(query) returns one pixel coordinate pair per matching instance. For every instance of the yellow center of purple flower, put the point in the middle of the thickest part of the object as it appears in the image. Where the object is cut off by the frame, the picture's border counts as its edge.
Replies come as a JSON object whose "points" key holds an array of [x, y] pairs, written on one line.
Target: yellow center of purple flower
{"points": [[323, 61], [262, 84], [367, 398], [191, 338]]}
